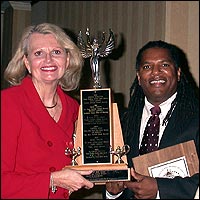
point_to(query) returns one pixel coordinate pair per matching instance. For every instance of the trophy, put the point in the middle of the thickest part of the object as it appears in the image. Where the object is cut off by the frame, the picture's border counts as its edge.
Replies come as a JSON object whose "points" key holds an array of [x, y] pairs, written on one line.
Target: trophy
{"points": [[98, 141]]}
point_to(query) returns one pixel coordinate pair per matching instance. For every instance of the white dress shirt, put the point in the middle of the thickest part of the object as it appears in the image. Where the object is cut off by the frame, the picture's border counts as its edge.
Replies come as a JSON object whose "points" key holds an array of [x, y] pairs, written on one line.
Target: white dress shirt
{"points": [[165, 107]]}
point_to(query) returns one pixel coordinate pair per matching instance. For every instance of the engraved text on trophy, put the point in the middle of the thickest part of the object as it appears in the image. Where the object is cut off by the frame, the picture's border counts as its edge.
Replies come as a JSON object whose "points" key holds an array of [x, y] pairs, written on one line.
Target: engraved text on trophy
{"points": [[96, 126]]}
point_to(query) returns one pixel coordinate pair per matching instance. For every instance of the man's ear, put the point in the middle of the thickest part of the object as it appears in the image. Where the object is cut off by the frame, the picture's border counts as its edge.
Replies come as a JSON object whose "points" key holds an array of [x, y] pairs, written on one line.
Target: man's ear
{"points": [[138, 77], [179, 73]]}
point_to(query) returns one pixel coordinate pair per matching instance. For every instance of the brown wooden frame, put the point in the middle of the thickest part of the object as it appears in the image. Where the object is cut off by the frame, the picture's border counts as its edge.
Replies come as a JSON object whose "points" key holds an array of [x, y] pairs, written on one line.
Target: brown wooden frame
{"points": [[187, 149]]}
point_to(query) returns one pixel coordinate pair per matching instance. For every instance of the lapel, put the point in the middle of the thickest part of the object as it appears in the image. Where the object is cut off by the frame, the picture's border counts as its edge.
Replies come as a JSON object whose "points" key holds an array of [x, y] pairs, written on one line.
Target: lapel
{"points": [[38, 113], [133, 138], [173, 131]]}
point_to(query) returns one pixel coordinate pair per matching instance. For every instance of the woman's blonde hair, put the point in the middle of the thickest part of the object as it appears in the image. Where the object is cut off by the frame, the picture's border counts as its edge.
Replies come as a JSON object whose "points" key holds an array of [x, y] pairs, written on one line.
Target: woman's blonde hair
{"points": [[16, 69]]}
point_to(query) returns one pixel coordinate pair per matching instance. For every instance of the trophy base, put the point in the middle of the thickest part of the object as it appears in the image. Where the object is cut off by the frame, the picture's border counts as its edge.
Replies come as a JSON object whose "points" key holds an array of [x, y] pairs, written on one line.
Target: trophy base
{"points": [[105, 173]]}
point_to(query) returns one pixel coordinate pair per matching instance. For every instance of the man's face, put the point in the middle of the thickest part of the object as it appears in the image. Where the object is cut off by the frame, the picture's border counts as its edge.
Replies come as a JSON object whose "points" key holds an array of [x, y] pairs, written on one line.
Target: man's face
{"points": [[157, 75]]}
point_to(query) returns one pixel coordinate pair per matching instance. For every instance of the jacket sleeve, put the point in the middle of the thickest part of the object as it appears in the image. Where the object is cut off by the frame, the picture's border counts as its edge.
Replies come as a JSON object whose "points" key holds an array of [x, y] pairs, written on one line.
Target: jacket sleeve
{"points": [[13, 182], [178, 188]]}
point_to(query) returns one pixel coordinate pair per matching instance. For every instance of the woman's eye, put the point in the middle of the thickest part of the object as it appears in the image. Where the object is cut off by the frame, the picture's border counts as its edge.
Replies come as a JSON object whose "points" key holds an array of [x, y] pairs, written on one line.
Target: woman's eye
{"points": [[38, 53], [56, 52]]}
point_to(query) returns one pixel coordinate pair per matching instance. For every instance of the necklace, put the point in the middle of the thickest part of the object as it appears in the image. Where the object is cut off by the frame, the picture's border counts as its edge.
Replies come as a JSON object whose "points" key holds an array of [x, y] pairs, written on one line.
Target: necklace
{"points": [[49, 107]]}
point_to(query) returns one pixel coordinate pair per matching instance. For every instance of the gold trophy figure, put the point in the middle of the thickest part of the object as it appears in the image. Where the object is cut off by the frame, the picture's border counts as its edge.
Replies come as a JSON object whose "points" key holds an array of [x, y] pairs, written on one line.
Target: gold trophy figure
{"points": [[73, 153], [120, 152]]}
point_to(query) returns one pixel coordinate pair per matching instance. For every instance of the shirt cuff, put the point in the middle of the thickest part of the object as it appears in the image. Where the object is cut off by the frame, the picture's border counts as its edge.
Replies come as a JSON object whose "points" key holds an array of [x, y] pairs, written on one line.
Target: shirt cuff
{"points": [[158, 195], [111, 196]]}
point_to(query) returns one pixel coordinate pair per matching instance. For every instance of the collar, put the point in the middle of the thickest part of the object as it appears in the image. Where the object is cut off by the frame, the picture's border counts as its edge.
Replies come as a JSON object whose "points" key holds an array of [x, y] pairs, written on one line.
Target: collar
{"points": [[164, 106]]}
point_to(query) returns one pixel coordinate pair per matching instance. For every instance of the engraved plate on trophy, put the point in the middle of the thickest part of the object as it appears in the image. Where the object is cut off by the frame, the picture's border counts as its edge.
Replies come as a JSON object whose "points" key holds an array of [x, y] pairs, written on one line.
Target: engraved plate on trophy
{"points": [[96, 134], [98, 141]]}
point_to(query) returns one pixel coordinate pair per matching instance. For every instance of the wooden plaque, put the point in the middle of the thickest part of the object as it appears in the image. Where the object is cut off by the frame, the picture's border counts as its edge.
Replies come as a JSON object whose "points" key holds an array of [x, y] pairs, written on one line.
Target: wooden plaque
{"points": [[165, 159]]}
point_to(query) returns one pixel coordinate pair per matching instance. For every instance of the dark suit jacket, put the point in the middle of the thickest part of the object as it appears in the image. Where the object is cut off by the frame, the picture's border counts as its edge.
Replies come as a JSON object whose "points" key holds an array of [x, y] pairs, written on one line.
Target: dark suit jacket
{"points": [[184, 129]]}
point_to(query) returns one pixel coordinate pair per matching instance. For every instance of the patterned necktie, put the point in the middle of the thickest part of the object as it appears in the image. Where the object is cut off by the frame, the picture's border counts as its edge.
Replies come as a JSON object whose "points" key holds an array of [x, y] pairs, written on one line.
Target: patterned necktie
{"points": [[151, 134]]}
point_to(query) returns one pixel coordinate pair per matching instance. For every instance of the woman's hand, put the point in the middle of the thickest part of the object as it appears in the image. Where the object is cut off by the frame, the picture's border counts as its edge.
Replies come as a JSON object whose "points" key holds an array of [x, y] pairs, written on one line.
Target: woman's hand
{"points": [[71, 179]]}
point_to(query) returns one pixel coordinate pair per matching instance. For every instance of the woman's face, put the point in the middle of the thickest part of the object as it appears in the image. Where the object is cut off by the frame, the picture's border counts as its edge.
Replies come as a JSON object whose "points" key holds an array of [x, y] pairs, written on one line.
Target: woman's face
{"points": [[47, 60], [158, 75]]}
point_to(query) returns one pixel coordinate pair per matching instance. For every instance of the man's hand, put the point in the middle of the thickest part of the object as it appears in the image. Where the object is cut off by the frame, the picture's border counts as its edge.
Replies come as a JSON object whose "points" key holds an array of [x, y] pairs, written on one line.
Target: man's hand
{"points": [[144, 187]]}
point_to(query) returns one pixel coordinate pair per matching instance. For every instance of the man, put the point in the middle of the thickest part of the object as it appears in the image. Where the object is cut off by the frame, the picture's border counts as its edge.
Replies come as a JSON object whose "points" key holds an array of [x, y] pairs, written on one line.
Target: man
{"points": [[160, 82]]}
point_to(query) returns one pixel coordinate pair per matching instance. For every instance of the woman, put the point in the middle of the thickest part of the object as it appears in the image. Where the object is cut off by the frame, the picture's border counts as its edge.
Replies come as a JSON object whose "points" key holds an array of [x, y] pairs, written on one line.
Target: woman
{"points": [[38, 117]]}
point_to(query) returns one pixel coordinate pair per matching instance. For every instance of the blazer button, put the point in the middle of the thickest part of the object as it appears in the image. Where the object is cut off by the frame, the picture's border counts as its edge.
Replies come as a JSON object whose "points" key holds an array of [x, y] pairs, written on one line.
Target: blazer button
{"points": [[52, 169], [50, 143], [66, 195]]}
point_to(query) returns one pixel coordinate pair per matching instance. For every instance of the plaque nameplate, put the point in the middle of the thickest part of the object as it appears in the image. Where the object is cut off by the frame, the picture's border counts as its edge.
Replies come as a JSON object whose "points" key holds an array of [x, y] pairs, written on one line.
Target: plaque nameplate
{"points": [[108, 175]]}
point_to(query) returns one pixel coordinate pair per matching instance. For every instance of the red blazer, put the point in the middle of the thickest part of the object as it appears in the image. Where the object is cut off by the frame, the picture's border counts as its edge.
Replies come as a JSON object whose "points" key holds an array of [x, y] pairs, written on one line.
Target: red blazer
{"points": [[32, 143]]}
